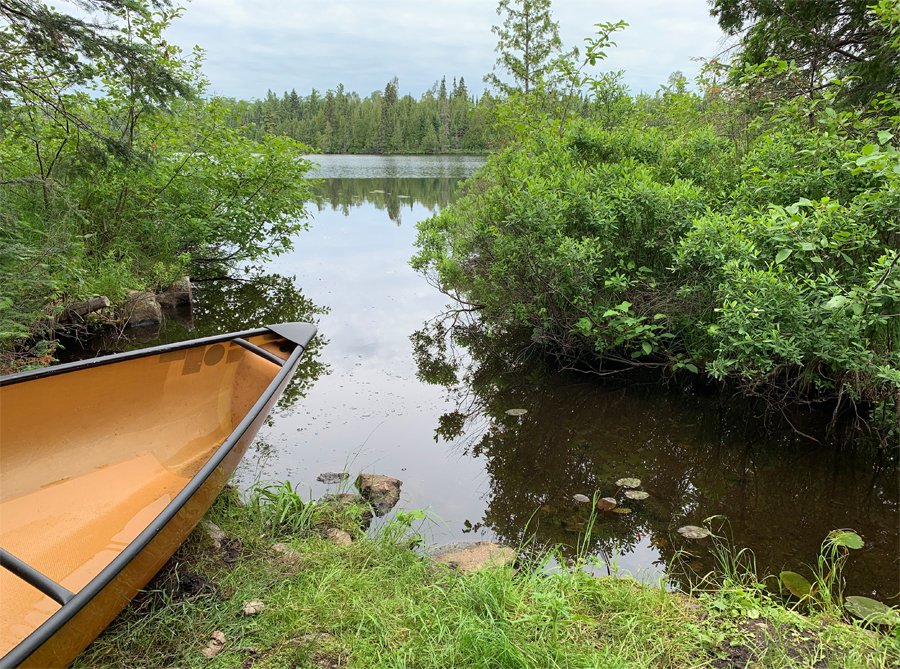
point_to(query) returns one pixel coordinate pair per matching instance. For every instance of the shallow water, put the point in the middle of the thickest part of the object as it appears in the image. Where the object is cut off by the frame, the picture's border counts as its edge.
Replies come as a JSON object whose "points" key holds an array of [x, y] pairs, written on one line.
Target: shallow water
{"points": [[363, 404]]}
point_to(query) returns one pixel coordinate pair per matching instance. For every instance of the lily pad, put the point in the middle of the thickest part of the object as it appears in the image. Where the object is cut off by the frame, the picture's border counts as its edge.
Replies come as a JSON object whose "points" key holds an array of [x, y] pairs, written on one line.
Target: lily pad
{"points": [[606, 503], [847, 539], [629, 483], [636, 494], [873, 611], [795, 583], [622, 509], [693, 532], [516, 412], [581, 499]]}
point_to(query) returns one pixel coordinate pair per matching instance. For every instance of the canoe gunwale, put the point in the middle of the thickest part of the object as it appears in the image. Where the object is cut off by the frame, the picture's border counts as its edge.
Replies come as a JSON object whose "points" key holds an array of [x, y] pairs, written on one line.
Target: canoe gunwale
{"points": [[10, 379], [52, 625]]}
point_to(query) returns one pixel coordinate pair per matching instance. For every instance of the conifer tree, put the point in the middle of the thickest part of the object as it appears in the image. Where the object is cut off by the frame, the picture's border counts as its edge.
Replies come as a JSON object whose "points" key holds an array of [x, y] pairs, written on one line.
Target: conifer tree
{"points": [[824, 39], [527, 42]]}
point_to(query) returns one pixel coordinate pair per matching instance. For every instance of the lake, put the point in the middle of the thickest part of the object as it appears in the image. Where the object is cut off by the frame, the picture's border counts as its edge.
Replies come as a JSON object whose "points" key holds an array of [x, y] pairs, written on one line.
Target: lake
{"points": [[377, 394]]}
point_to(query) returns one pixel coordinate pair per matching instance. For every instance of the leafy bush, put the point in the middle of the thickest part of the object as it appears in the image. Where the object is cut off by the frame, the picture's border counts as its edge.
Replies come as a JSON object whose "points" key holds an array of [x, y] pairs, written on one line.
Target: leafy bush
{"points": [[653, 243], [110, 192]]}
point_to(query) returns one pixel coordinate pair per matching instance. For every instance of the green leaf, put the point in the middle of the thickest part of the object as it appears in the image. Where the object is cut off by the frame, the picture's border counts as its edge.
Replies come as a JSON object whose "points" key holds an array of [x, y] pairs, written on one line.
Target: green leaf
{"points": [[836, 302], [872, 611], [783, 255], [584, 325], [692, 368], [884, 137], [648, 349], [795, 583], [848, 539], [868, 149], [807, 246]]}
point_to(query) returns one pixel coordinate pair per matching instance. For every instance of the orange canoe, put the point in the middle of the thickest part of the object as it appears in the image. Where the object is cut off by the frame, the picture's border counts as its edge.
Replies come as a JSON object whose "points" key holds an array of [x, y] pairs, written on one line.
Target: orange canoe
{"points": [[106, 465]]}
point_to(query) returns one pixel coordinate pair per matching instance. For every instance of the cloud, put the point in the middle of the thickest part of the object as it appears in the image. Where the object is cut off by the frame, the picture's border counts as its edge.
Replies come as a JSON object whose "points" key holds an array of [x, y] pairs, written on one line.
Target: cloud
{"points": [[253, 46]]}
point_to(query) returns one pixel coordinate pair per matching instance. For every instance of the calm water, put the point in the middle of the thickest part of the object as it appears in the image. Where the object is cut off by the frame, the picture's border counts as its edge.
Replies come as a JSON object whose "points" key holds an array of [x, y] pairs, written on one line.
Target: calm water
{"points": [[364, 403]]}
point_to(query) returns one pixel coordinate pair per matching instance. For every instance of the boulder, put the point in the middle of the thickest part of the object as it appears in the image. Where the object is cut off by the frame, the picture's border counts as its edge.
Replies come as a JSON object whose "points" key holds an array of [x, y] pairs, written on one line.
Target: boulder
{"points": [[179, 294], [382, 491], [141, 308], [472, 555]]}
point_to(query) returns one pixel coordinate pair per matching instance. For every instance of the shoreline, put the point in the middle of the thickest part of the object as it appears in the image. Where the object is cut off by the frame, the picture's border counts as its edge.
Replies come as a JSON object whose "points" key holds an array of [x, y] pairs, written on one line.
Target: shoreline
{"points": [[266, 593]]}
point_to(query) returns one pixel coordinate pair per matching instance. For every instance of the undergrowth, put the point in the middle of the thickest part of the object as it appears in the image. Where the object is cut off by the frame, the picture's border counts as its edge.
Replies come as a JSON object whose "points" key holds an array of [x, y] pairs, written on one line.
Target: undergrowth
{"points": [[376, 603]]}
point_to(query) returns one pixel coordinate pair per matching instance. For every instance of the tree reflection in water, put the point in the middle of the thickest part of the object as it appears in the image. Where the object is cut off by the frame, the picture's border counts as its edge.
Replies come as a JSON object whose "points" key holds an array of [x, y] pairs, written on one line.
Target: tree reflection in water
{"points": [[220, 306], [698, 452], [390, 194]]}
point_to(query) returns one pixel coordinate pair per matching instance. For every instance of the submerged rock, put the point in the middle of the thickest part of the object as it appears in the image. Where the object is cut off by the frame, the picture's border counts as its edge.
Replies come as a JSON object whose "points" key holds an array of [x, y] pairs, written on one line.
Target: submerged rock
{"points": [[470, 556], [331, 478], [382, 491]]}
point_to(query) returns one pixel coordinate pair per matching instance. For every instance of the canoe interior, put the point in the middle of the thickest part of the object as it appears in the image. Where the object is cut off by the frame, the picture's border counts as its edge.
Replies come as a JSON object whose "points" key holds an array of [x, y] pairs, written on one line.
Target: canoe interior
{"points": [[90, 457]]}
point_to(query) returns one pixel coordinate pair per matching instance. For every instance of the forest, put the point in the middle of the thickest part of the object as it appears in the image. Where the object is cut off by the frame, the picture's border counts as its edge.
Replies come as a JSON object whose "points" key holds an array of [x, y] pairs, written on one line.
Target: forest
{"points": [[442, 121]]}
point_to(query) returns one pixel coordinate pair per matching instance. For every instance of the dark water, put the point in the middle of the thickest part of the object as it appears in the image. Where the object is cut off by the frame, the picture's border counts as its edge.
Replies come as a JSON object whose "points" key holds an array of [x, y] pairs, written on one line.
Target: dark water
{"points": [[371, 399]]}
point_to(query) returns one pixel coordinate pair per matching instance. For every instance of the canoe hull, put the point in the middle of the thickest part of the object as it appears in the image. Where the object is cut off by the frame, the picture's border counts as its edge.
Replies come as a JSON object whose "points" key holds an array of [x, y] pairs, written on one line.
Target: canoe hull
{"points": [[65, 645], [68, 631]]}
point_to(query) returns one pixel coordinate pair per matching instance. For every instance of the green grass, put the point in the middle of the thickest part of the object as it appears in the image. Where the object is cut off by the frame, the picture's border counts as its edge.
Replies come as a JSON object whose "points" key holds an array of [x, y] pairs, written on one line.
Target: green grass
{"points": [[375, 603]]}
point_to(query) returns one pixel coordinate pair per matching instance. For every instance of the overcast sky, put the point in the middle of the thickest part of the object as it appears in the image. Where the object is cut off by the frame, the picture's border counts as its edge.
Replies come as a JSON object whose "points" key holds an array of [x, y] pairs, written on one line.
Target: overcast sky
{"points": [[256, 45]]}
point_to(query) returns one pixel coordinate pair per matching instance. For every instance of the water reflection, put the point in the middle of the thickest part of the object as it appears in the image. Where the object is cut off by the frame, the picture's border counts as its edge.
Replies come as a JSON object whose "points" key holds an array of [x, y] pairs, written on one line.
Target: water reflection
{"points": [[697, 454], [393, 195], [220, 306]]}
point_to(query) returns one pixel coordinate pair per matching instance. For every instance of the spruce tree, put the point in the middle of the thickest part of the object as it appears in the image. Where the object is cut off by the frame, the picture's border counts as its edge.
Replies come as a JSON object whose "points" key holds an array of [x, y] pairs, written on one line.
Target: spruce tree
{"points": [[527, 42], [37, 40]]}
